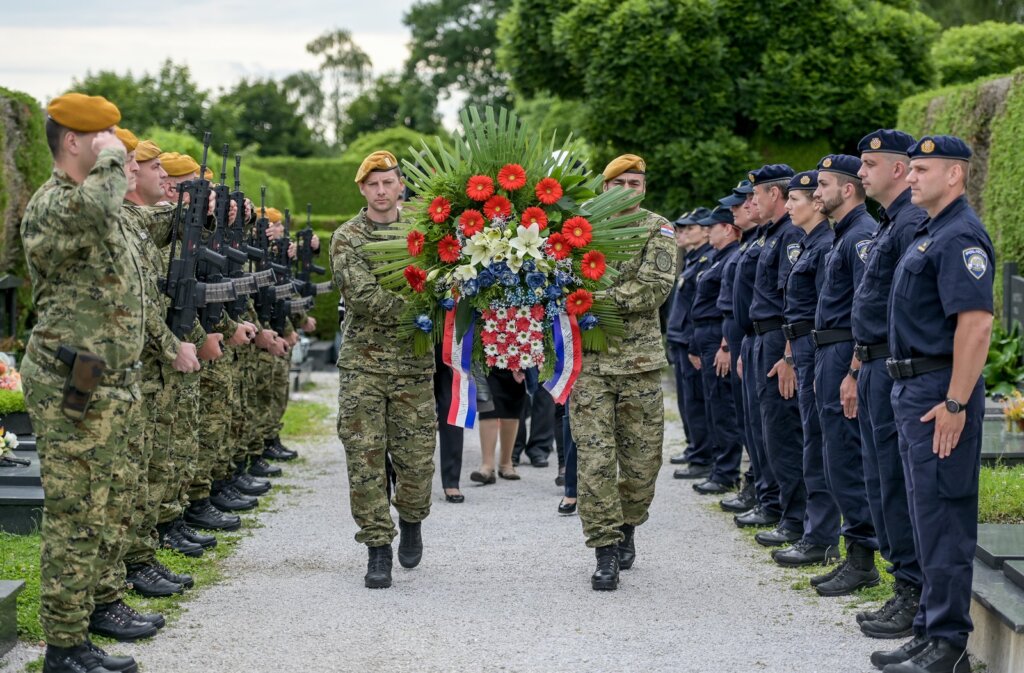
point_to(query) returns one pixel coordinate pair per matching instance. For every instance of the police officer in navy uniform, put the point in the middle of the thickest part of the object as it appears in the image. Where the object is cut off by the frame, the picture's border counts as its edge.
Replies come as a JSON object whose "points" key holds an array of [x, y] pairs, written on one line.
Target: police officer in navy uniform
{"points": [[691, 237], [819, 544], [713, 362], [773, 369], [883, 172], [842, 200], [767, 511], [940, 325]]}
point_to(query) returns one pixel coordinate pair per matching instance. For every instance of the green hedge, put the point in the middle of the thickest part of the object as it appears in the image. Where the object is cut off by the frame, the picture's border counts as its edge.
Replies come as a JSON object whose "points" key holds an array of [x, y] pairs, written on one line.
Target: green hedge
{"points": [[1005, 184], [965, 53], [326, 183], [396, 140]]}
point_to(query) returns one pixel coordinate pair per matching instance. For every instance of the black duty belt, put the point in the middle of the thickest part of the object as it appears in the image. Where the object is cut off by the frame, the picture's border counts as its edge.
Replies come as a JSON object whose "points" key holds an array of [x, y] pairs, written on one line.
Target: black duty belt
{"points": [[867, 353], [905, 369], [727, 315], [800, 328], [767, 325], [827, 337]]}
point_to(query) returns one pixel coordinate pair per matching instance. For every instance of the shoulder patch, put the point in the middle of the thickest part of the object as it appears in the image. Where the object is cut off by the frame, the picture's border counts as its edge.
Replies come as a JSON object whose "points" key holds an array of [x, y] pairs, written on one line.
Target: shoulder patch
{"points": [[793, 252], [976, 262], [663, 261], [668, 230], [863, 247]]}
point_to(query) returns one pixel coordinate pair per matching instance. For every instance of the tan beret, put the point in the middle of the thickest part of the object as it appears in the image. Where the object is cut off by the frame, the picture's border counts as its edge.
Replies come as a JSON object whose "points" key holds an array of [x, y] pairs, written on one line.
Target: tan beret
{"points": [[128, 138], [178, 165], [380, 160], [83, 114], [630, 163], [146, 150]]}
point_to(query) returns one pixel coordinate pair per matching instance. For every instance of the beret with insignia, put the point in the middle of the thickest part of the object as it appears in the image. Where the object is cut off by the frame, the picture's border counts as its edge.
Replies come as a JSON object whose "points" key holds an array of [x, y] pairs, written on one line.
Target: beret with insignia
{"points": [[840, 163], [126, 137], [146, 150], [771, 173], [941, 147], [83, 114], [627, 163], [886, 140], [806, 181], [381, 160]]}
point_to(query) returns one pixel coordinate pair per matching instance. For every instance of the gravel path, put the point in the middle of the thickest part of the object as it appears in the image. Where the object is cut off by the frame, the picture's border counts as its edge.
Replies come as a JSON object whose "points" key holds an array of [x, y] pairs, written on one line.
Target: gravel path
{"points": [[504, 586]]}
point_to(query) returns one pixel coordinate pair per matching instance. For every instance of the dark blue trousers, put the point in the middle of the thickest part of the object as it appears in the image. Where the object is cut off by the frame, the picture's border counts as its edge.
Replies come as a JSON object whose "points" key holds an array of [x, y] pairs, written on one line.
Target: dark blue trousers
{"points": [[764, 478], [691, 407], [734, 337], [843, 461], [943, 499], [821, 517], [720, 406], [783, 436], [883, 472], [570, 455]]}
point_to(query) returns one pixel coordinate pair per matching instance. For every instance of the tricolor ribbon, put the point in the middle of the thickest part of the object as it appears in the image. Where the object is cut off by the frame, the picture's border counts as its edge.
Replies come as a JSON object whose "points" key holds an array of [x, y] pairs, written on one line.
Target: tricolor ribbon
{"points": [[458, 354], [568, 356]]}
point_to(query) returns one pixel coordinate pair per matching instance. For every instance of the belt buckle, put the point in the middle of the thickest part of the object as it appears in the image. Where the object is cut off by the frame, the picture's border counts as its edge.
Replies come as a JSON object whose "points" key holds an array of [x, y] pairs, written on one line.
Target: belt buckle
{"points": [[892, 366], [860, 352], [814, 337]]}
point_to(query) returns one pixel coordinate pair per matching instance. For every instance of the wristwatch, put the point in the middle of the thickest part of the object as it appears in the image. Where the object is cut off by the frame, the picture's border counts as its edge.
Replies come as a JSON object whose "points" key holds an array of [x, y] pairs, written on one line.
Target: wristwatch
{"points": [[789, 360], [725, 348], [854, 373], [953, 407]]}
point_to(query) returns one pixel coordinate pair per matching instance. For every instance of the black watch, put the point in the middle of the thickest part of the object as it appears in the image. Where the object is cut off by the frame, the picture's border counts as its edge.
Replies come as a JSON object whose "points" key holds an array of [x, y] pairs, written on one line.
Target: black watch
{"points": [[854, 373], [788, 359], [953, 407], [725, 348]]}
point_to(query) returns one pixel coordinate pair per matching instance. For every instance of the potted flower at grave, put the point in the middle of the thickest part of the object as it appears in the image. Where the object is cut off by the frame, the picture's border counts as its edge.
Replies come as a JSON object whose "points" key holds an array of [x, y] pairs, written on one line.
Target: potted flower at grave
{"points": [[12, 399]]}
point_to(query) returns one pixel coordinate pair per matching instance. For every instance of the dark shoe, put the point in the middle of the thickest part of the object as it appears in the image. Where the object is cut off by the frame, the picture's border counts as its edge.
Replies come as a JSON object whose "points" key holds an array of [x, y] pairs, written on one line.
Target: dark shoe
{"points": [[560, 479], [272, 451], [511, 475], [147, 581], [744, 501], [482, 478], [153, 618], [566, 508], [756, 518], [606, 576], [803, 553], [679, 459], [227, 498], [202, 514], [171, 576], [457, 498], [194, 536], [829, 576], [539, 461], [693, 472], [858, 573], [410, 544], [378, 567], [246, 484], [896, 618], [259, 467], [777, 537], [172, 538], [711, 487], [80, 659], [284, 449], [627, 548], [940, 656], [116, 620], [111, 662], [904, 652]]}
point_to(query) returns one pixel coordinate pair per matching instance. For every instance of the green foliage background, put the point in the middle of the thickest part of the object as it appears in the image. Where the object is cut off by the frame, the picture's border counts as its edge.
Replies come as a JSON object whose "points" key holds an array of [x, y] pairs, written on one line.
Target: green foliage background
{"points": [[965, 53]]}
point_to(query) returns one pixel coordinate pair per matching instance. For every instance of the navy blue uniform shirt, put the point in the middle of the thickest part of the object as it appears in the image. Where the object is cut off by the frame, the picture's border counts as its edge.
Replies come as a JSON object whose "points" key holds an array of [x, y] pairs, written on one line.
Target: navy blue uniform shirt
{"points": [[725, 295], [948, 269], [896, 228], [844, 266], [743, 278], [709, 284], [773, 267], [807, 275], [679, 327]]}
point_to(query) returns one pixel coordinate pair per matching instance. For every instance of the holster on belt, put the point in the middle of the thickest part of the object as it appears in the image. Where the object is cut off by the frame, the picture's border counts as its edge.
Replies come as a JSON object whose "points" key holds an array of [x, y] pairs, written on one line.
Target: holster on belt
{"points": [[85, 372]]}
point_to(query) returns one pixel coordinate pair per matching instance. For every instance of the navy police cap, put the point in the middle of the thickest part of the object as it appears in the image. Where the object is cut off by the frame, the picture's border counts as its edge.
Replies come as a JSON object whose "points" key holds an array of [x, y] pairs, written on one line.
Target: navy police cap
{"points": [[806, 181], [840, 163], [770, 173], [941, 147], [692, 217], [886, 140], [720, 215], [738, 195]]}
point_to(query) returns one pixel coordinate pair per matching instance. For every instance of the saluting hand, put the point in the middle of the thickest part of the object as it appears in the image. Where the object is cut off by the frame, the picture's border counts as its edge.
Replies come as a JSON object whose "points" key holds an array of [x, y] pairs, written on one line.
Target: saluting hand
{"points": [[722, 363], [787, 379], [848, 396], [105, 139], [948, 428]]}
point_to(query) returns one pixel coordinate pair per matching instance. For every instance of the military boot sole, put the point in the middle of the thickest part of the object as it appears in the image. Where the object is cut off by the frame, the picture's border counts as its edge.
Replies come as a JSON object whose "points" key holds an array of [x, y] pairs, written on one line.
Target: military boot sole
{"points": [[209, 525], [867, 630], [409, 559], [864, 583], [610, 584], [377, 583]]}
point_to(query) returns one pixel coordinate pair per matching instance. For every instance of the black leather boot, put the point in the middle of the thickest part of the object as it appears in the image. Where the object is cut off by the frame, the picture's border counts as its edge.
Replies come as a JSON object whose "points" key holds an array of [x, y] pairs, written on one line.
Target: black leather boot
{"points": [[112, 662], [606, 576], [116, 620], [741, 502], [830, 575], [627, 548], [202, 514], [898, 620], [756, 518], [858, 573], [78, 659], [248, 484], [410, 544], [226, 498], [192, 535], [882, 612], [777, 537], [184, 580], [803, 553], [940, 656], [147, 581], [272, 451], [259, 467], [172, 538], [904, 652], [378, 567]]}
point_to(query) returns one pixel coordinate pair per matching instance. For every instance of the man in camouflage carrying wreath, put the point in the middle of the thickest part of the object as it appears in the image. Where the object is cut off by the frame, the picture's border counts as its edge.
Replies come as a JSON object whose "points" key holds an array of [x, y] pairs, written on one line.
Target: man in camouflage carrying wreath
{"points": [[616, 408], [386, 397]]}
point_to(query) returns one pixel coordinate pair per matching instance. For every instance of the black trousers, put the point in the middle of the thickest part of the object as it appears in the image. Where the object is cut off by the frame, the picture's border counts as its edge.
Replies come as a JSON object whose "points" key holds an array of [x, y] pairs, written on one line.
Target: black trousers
{"points": [[450, 444], [540, 409]]}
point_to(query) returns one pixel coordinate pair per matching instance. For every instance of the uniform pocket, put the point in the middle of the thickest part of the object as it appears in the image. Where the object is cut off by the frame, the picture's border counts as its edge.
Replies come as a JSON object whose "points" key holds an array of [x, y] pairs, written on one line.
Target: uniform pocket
{"points": [[958, 472], [911, 267]]}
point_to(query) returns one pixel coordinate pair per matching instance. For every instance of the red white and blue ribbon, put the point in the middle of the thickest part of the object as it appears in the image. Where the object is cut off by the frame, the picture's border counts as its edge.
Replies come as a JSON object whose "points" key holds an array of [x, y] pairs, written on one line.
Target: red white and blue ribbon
{"points": [[458, 354], [568, 356]]}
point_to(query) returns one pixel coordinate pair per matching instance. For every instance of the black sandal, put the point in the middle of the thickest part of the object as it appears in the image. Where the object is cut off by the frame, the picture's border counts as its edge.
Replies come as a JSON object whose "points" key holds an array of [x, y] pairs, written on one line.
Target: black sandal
{"points": [[482, 478]]}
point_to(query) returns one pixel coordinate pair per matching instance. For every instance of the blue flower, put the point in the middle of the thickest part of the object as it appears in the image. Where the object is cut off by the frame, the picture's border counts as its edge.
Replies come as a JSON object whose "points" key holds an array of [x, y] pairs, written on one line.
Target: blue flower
{"points": [[553, 292], [424, 323], [536, 279], [509, 279], [470, 287], [588, 321], [498, 268], [485, 278], [563, 279], [447, 303], [529, 266]]}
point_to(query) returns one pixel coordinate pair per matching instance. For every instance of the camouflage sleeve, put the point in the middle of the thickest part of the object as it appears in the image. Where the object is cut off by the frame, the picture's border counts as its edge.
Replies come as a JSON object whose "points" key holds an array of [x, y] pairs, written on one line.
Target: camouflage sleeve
{"points": [[167, 345], [654, 279], [197, 336], [157, 220], [226, 326], [353, 278]]}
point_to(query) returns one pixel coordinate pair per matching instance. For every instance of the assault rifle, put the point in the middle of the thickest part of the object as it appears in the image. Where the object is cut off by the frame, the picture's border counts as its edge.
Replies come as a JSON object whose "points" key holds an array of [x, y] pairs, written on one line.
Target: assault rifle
{"points": [[234, 271], [268, 260], [304, 255], [241, 252]]}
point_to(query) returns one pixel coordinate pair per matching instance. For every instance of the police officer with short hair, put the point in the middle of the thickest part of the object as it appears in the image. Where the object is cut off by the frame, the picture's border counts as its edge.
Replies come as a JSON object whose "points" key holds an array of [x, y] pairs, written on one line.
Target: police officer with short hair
{"points": [[940, 325]]}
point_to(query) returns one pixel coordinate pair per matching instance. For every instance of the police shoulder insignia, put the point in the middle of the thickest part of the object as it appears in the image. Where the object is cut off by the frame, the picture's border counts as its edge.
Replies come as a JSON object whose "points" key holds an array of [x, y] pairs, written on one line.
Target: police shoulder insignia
{"points": [[863, 247], [703, 258], [773, 242], [663, 261], [876, 143], [924, 245], [760, 241], [793, 252], [976, 262]]}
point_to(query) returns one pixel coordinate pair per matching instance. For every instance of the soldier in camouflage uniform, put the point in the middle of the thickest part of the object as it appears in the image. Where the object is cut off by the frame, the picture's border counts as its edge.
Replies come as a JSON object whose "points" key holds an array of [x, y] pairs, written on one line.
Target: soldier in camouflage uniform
{"points": [[386, 398], [617, 413], [88, 289]]}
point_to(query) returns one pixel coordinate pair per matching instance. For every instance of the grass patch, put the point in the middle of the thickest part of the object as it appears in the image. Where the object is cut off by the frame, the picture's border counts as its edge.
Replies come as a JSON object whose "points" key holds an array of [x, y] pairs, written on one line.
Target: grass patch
{"points": [[19, 560], [306, 419], [1001, 494]]}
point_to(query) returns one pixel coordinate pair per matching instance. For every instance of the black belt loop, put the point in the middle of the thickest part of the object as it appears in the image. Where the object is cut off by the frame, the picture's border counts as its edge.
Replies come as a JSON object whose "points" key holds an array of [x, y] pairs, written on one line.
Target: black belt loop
{"points": [[795, 330], [767, 325], [827, 337], [905, 369], [867, 353]]}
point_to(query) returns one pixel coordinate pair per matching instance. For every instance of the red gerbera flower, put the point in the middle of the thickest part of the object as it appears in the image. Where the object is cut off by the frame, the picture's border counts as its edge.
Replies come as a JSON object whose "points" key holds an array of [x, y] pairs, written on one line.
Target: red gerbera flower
{"points": [[502, 348], [471, 222], [535, 215], [558, 247], [448, 249], [579, 302], [523, 324], [416, 277], [497, 206], [440, 209], [513, 363], [593, 265], [512, 177], [537, 312], [480, 188], [549, 191], [414, 242], [577, 231], [488, 338]]}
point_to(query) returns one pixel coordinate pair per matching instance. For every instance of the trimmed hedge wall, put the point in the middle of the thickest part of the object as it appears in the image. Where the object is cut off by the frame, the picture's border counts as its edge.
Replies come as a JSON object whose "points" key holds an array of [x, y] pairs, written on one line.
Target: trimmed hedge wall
{"points": [[326, 183]]}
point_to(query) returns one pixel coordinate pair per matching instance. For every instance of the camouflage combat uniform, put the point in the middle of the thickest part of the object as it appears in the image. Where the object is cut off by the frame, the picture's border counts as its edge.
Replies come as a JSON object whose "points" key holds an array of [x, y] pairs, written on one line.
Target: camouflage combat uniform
{"points": [[89, 291], [386, 396], [616, 407]]}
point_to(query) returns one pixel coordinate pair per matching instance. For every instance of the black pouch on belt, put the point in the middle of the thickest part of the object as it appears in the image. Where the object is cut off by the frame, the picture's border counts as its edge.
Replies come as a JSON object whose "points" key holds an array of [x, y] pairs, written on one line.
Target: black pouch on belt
{"points": [[86, 371]]}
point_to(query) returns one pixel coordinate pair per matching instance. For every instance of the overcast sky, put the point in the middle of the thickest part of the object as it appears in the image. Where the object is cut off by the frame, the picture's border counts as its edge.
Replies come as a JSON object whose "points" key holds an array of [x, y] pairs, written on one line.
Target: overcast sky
{"points": [[44, 44]]}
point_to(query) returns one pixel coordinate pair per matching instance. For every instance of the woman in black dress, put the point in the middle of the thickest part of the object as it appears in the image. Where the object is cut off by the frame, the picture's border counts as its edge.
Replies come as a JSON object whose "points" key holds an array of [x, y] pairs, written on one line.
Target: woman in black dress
{"points": [[499, 419]]}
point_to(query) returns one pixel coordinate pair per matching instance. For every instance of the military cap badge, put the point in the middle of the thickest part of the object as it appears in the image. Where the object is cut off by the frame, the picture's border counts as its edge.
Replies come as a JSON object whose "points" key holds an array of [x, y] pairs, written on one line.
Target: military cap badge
{"points": [[928, 146], [752, 177], [876, 143], [805, 180], [827, 163]]}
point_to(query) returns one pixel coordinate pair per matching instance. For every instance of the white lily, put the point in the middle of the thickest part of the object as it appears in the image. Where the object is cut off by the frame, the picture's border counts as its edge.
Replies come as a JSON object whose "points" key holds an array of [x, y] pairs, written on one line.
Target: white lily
{"points": [[478, 248], [515, 261], [528, 241], [464, 272]]}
